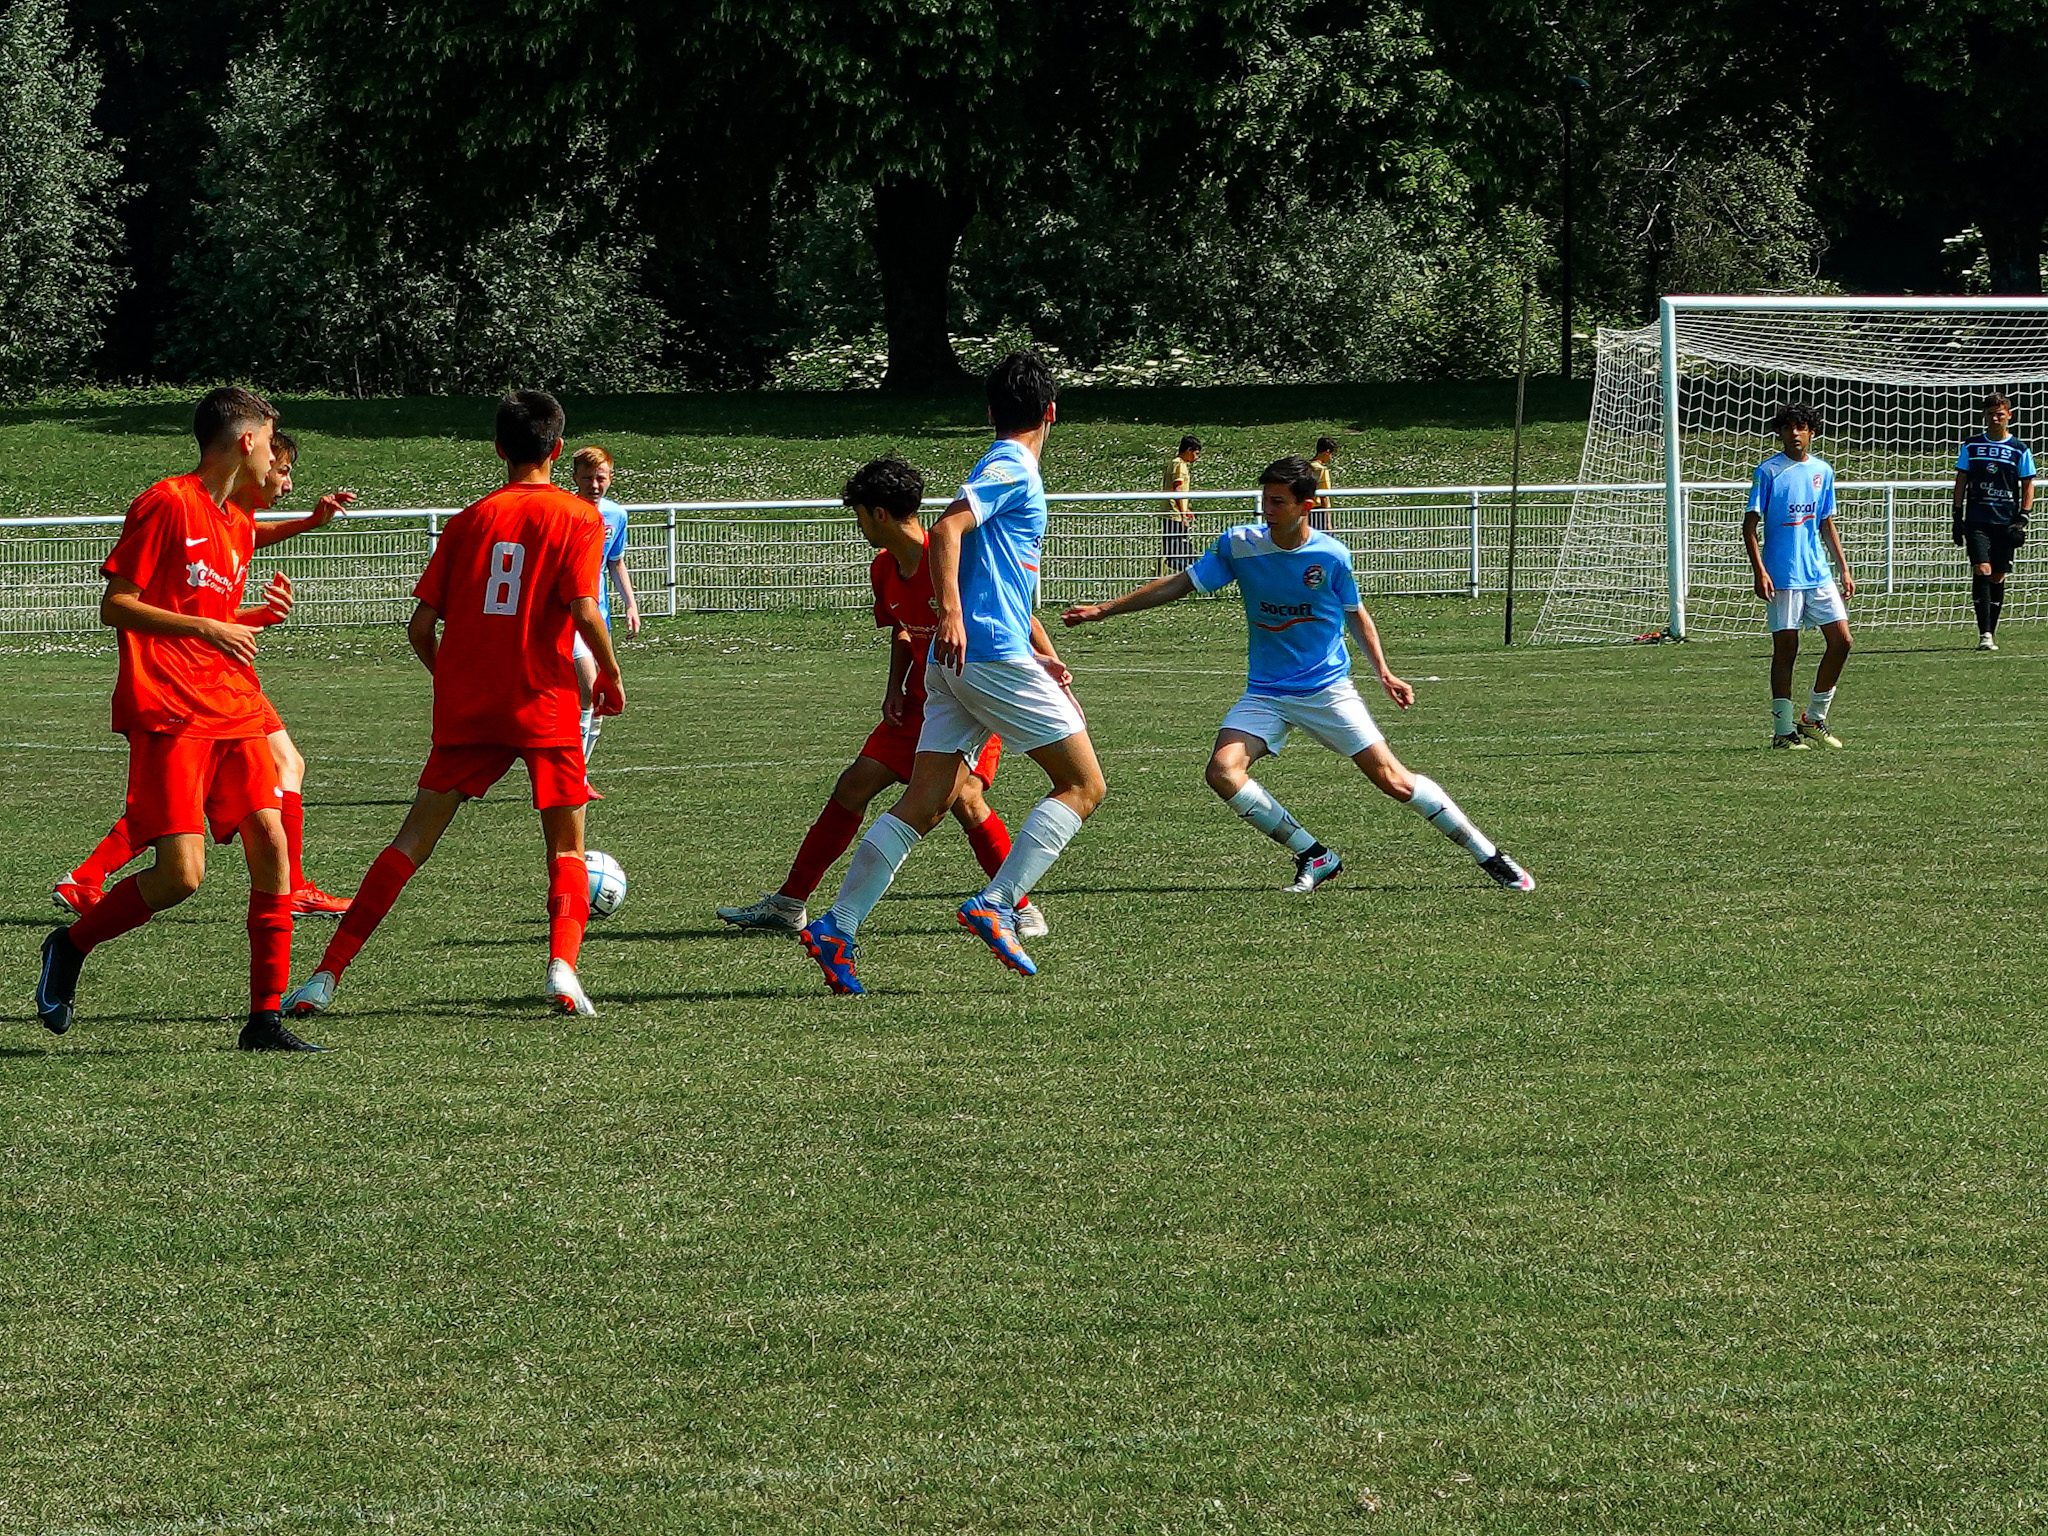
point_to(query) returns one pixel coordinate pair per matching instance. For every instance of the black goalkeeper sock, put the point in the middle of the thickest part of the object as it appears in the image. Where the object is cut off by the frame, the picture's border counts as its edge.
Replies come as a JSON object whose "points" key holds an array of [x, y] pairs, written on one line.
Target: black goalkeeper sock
{"points": [[1994, 603], [1977, 601]]}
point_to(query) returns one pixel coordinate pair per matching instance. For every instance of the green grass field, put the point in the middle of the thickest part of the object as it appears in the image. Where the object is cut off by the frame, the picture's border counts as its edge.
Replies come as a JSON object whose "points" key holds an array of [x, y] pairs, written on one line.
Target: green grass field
{"points": [[93, 454], [1699, 1191]]}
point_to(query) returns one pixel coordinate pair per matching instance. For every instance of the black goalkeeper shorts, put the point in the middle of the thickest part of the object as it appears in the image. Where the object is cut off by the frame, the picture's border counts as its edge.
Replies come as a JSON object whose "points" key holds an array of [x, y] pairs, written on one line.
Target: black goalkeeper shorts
{"points": [[1989, 545]]}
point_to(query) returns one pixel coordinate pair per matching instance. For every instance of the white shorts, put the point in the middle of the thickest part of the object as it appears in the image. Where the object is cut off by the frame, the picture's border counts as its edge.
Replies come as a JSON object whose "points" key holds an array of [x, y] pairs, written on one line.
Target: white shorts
{"points": [[1012, 699], [1335, 716], [1804, 607], [578, 649]]}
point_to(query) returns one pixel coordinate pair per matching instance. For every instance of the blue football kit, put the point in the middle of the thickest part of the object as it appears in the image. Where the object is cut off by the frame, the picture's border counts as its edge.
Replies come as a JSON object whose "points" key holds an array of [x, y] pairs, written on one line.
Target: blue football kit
{"points": [[999, 561], [614, 517], [1993, 470], [1294, 606], [1793, 497]]}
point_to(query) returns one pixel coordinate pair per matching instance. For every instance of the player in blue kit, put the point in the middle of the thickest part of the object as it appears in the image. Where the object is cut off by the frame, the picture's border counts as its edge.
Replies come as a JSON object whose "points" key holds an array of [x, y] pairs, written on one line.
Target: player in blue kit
{"points": [[1792, 508], [1994, 495], [592, 471], [1299, 599], [992, 671]]}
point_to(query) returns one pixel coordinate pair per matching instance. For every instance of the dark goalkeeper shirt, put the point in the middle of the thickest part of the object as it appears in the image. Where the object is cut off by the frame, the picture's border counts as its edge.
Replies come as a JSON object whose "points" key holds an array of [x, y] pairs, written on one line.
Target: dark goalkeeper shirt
{"points": [[1992, 470]]}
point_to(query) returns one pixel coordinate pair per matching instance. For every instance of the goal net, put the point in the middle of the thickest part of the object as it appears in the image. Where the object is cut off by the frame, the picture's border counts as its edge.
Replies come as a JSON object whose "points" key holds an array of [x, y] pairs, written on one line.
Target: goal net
{"points": [[1899, 384]]}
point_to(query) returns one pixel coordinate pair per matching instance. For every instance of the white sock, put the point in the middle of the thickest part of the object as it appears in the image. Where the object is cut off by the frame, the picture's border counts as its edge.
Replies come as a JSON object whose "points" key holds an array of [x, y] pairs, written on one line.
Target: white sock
{"points": [[1440, 811], [1781, 717], [875, 862], [1817, 711], [1259, 808], [593, 727], [1033, 847]]}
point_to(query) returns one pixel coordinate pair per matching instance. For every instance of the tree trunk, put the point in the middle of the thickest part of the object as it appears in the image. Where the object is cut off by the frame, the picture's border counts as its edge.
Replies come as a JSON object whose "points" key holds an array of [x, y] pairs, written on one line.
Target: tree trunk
{"points": [[2012, 235], [915, 235]]}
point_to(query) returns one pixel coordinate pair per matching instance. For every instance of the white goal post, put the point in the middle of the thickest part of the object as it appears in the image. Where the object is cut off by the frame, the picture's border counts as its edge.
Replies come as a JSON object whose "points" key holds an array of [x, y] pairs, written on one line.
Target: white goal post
{"points": [[1681, 416]]}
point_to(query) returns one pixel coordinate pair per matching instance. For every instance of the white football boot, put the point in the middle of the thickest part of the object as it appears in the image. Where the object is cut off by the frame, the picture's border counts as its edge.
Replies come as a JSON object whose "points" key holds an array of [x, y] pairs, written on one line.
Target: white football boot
{"points": [[1031, 922], [773, 913], [565, 991], [311, 996]]}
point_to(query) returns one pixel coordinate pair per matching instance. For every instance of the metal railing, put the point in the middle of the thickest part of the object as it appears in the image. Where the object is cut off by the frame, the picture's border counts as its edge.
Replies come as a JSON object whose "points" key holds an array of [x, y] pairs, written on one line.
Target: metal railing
{"points": [[762, 556]]}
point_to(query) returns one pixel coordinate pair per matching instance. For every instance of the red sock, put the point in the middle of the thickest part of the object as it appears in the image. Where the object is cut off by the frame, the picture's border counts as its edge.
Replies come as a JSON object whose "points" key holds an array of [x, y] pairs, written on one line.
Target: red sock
{"points": [[830, 836], [991, 844], [270, 949], [386, 878], [114, 914], [114, 851], [568, 908], [294, 811]]}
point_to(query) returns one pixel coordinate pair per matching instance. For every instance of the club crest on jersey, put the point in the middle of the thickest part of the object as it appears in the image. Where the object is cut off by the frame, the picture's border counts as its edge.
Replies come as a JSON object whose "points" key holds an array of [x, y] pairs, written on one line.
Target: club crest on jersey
{"points": [[199, 574], [1816, 480], [1315, 578]]}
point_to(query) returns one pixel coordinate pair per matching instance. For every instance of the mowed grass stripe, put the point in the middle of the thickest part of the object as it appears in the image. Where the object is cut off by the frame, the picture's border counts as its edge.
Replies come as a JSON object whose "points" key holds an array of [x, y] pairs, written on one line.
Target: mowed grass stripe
{"points": [[1700, 1189]]}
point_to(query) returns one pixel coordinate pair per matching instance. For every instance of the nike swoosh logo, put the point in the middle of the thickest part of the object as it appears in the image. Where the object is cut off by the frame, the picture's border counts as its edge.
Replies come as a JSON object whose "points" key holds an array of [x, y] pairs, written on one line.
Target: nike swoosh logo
{"points": [[200, 540]]}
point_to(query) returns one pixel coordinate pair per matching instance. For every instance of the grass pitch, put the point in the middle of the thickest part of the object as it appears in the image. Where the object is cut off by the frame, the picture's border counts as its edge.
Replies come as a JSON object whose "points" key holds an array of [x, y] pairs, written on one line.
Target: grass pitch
{"points": [[1700, 1190]]}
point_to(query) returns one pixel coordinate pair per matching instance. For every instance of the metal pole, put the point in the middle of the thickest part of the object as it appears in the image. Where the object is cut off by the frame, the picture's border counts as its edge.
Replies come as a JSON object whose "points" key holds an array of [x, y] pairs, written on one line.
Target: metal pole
{"points": [[671, 541], [433, 532], [1564, 347], [1472, 574], [1674, 495], [1891, 536], [1507, 629]]}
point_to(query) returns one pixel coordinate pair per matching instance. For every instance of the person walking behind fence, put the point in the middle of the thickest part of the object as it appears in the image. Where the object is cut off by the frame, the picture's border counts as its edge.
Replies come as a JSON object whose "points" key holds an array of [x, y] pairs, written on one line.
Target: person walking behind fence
{"points": [[1177, 523], [592, 471], [1319, 509]]}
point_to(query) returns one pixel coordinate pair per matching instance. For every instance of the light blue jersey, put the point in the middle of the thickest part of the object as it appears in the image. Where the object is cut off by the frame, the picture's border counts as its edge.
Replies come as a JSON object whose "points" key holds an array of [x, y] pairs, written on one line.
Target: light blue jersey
{"points": [[1294, 606], [614, 517], [1794, 497], [999, 559]]}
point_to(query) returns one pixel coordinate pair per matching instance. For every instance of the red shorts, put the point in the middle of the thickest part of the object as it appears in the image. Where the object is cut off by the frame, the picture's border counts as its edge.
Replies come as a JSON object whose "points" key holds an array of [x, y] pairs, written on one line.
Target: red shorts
{"points": [[272, 721], [194, 784], [895, 748], [559, 777]]}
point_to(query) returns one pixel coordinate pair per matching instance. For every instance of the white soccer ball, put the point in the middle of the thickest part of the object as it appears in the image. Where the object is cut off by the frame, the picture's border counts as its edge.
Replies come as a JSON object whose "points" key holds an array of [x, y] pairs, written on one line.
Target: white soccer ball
{"points": [[607, 883]]}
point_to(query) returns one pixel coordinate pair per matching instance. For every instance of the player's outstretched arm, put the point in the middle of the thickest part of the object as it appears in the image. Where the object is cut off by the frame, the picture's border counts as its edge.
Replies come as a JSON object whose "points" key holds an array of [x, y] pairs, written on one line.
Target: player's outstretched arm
{"points": [[422, 634], [608, 690], [902, 652], [322, 514], [122, 607], [1154, 594], [1367, 634], [1760, 578], [942, 554]]}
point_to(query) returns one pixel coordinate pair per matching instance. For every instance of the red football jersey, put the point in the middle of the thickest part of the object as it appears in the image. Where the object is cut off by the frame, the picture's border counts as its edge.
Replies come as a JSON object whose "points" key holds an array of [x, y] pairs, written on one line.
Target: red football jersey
{"points": [[906, 602], [503, 575], [189, 556]]}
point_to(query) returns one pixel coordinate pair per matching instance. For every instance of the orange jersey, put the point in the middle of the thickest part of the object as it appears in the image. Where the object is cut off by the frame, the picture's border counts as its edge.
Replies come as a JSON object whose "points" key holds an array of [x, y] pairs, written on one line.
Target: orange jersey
{"points": [[188, 556], [502, 578], [906, 602]]}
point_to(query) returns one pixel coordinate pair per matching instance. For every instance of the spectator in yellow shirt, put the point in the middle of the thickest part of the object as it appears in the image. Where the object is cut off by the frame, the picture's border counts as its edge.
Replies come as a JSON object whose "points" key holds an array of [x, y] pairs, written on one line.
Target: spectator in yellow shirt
{"points": [[1177, 524], [1319, 509]]}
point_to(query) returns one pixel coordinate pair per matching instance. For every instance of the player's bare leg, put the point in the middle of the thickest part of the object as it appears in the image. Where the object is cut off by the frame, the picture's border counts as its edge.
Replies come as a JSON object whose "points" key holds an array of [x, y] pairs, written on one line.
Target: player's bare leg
{"points": [[568, 905], [268, 853], [1229, 774], [586, 686], [784, 910], [1784, 719], [1424, 796], [432, 812], [1813, 724], [1077, 789]]}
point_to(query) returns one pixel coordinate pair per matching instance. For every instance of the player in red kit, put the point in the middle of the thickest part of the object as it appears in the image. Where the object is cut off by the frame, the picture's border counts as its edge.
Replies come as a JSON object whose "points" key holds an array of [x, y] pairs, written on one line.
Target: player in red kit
{"points": [[511, 578], [186, 698], [885, 496], [84, 885]]}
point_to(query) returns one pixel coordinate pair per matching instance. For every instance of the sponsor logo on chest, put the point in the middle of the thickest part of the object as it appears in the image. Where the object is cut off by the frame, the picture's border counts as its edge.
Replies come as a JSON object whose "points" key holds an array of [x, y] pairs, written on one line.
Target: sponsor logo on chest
{"points": [[1287, 610], [199, 574]]}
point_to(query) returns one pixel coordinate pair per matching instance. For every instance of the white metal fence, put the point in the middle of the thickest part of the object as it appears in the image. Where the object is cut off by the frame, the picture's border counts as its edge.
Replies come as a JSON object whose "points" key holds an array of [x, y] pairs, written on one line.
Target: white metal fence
{"points": [[724, 557], [712, 557]]}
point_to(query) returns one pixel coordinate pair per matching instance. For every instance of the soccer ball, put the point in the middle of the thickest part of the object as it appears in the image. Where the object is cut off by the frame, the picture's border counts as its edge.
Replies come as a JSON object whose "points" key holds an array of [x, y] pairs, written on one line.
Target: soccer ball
{"points": [[607, 883]]}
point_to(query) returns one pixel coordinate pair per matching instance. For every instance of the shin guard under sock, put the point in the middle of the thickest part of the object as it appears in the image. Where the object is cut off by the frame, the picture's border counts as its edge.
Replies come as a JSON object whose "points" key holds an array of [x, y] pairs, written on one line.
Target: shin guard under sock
{"points": [[114, 850], [270, 949], [830, 836], [568, 908], [1044, 835], [875, 862], [293, 810], [114, 914], [1438, 809], [1978, 602], [1994, 603], [386, 878], [991, 844]]}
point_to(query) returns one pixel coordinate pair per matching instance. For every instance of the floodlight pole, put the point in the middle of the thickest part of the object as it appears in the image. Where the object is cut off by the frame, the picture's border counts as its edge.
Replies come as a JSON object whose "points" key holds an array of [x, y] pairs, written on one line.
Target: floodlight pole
{"points": [[1674, 488]]}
